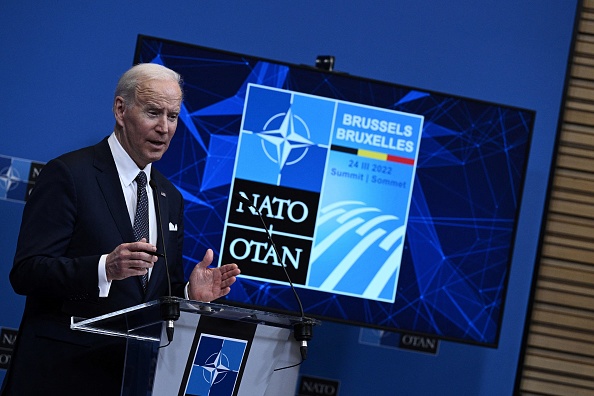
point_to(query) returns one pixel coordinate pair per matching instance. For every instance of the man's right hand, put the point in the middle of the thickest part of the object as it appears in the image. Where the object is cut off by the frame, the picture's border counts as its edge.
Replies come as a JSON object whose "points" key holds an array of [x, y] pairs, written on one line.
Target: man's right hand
{"points": [[130, 259]]}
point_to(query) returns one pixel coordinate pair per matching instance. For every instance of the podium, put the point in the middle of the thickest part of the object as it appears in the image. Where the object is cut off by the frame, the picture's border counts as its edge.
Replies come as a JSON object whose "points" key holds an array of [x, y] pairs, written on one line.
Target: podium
{"points": [[216, 349]]}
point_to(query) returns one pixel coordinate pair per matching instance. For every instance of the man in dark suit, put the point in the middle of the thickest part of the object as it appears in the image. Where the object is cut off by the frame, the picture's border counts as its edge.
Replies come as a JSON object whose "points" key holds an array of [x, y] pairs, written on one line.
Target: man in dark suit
{"points": [[79, 252]]}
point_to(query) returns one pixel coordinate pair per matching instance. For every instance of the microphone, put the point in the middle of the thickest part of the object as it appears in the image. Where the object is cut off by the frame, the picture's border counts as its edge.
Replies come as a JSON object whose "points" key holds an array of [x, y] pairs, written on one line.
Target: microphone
{"points": [[169, 307], [303, 331]]}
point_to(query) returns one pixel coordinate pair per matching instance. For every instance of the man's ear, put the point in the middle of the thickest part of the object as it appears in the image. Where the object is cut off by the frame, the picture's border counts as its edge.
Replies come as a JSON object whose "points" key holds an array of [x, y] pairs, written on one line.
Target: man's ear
{"points": [[119, 107]]}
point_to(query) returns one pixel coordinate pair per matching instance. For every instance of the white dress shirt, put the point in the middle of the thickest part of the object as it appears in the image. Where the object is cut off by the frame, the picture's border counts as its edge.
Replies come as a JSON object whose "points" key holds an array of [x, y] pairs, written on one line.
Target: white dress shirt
{"points": [[128, 170]]}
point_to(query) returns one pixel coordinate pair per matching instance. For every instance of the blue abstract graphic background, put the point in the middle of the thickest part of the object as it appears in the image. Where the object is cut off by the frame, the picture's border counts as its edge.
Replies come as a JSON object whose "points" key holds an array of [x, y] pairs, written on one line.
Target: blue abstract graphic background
{"points": [[465, 199]]}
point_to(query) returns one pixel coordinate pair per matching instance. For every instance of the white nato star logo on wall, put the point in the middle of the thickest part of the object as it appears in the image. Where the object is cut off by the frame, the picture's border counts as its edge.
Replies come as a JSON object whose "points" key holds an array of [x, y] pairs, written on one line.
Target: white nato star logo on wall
{"points": [[288, 138], [9, 178]]}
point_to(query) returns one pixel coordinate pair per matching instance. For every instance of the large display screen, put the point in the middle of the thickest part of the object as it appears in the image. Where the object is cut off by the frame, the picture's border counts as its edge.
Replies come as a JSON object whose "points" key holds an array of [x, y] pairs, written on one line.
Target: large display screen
{"points": [[388, 206]]}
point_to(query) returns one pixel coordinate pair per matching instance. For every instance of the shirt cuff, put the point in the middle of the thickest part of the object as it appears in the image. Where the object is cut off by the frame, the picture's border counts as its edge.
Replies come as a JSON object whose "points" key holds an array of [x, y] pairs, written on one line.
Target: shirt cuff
{"points": [[104, 284]]}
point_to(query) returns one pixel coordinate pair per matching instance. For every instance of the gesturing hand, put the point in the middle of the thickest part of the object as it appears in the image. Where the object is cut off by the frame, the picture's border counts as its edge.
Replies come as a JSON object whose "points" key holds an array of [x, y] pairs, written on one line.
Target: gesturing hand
{"points": [[207, 284], [129, 259]]}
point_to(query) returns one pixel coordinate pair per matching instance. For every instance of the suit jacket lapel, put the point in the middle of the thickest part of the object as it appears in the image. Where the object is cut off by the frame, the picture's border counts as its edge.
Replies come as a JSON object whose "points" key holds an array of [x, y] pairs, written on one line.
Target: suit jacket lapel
{"points": [[162, 211], [111, 187]]}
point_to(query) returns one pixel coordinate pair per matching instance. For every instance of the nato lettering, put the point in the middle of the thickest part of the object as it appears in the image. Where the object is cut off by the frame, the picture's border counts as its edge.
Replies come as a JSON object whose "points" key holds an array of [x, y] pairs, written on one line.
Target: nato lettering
{"points": [[277, 208]]}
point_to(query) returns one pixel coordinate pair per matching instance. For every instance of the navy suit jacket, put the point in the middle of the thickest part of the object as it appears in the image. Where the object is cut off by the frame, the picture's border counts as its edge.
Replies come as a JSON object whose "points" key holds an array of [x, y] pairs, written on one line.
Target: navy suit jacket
{"points": [[76, 213]]}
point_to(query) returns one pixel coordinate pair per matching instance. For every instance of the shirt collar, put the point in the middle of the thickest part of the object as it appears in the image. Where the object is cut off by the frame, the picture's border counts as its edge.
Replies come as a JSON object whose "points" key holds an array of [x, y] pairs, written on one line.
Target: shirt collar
{"points": [[127, 168]]}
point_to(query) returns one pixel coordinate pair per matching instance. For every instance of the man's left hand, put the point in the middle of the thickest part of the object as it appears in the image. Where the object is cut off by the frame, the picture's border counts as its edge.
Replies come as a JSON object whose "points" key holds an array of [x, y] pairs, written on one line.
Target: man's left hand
{"points": [[208, 284]]}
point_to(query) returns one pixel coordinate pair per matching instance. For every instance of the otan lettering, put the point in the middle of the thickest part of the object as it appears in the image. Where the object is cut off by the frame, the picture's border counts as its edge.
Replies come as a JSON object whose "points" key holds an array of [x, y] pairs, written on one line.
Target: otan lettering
{"points": [[262, 252], [4, 359], [419, 342]]}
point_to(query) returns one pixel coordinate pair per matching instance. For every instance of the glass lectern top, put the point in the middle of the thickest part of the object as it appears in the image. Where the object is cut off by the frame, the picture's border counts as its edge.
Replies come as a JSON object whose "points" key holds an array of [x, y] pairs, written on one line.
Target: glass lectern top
{"points": [[144, 321]]}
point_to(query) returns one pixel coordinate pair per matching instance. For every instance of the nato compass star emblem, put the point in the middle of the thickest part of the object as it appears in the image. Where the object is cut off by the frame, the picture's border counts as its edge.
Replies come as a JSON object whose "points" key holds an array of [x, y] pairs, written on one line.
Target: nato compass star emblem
{"points": [[290, 141], [9, 178], [216, 368]]}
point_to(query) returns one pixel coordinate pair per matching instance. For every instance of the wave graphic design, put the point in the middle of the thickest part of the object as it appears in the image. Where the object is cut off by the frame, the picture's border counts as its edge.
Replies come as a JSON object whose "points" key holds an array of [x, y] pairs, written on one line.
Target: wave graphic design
{"points": [[369, 244]]}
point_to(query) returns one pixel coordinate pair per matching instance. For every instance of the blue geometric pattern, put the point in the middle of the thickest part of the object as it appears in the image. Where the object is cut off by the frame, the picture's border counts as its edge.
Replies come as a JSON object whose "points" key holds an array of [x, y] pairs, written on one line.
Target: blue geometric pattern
{"points": [[465, 202]]}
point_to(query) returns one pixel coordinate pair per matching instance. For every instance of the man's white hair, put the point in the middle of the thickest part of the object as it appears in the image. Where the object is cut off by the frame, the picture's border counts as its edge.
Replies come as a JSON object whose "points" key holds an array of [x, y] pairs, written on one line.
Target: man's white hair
{"points": [[138, 74]]}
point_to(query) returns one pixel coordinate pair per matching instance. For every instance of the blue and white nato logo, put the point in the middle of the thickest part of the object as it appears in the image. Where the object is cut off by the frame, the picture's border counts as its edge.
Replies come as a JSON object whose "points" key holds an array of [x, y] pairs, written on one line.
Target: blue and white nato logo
{"points": [[17, 177], [284, 136], [216, 366], [358, 159]]}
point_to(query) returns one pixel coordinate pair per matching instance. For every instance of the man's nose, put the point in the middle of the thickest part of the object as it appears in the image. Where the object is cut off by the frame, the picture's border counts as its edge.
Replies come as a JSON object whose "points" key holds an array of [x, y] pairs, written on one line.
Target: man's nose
{"points": [[162, 124]]}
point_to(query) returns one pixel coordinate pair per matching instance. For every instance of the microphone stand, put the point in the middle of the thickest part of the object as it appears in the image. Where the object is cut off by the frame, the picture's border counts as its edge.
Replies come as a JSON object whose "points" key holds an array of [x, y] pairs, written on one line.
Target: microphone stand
{"points": [[303, 331], [170, 309]]}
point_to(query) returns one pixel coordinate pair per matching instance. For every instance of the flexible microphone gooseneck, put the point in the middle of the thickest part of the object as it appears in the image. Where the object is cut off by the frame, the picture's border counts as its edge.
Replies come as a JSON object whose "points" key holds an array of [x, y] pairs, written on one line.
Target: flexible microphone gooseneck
{"points": [[303, 331], [169, 307]]}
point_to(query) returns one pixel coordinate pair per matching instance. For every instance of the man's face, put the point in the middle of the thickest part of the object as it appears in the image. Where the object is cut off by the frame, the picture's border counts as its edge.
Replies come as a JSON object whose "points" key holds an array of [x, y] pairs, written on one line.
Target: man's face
{"points": [[148, 126]]}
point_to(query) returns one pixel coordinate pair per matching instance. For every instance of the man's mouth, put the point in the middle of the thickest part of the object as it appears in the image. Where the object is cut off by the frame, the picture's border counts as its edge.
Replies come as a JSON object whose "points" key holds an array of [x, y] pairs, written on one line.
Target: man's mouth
{"points": [[157, 143]]}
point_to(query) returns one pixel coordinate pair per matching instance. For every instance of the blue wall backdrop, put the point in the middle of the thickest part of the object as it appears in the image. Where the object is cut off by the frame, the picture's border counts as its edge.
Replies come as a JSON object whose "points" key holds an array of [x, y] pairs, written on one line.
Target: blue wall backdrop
{"points": [[60, 62]]}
